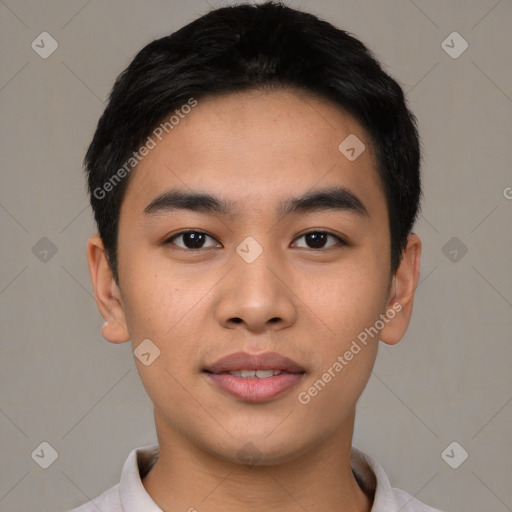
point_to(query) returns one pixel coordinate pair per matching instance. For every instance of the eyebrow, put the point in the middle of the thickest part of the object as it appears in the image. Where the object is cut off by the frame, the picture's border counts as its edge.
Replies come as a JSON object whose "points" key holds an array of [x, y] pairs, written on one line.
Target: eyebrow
{"points": [[332, 198]]}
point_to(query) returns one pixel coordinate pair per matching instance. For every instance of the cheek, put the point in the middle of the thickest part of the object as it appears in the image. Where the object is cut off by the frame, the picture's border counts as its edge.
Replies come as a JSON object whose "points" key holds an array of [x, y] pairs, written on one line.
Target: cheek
{"points": [[157, 297], [159, 310], [167, 307], [332, 394], [350, 306], [352, 297]]}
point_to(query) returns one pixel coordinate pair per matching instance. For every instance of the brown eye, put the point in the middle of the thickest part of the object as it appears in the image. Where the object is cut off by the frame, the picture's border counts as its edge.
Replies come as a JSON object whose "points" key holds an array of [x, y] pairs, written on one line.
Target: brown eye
{"points": [[318, 239], [191, 240]]}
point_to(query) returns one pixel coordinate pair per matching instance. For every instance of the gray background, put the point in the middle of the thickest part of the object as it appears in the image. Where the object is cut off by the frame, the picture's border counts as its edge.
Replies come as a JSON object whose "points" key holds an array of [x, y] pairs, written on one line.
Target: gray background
{"points": [[448, 380]]}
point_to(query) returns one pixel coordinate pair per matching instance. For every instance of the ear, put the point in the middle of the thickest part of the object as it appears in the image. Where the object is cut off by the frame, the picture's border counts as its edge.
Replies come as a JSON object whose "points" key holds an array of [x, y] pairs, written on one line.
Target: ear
{"points": [[403, 288], [106, 292]]}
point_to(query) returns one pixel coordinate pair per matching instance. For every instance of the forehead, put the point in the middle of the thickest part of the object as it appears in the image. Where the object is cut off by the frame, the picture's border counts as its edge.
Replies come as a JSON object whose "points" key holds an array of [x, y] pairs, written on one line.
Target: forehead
{"points": [[257, 147]]}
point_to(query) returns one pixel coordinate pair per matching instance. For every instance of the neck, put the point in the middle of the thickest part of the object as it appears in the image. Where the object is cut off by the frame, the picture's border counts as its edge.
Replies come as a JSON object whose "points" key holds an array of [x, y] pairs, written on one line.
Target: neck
{"points": [[185, 477]]}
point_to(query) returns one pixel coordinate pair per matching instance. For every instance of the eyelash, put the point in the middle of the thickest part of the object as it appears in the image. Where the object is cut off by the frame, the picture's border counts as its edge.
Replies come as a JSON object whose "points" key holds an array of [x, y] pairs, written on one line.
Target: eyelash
{"points": [[341, 241]]}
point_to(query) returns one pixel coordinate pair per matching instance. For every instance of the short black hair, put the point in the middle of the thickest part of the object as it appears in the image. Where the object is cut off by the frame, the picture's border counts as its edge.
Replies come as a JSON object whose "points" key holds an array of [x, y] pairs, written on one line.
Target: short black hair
{"points": [[244, 47]]}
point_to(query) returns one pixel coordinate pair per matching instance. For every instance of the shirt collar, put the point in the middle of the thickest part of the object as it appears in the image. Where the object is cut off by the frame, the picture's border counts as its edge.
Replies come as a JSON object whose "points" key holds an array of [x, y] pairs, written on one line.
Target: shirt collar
{"points": [[373, 480], [134, 497]]}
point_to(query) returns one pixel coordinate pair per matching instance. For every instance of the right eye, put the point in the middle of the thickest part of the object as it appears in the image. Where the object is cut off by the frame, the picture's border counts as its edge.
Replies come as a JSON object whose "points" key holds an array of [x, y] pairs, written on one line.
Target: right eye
{"points": [[191, 240]]}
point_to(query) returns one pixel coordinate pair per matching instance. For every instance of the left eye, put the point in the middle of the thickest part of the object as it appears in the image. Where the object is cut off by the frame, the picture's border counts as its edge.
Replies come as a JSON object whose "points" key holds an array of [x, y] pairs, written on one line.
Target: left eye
{"points": [[317, 239]]}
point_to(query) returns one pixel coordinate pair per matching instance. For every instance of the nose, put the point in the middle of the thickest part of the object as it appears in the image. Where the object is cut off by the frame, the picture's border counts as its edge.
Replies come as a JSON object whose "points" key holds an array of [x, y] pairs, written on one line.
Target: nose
{"points": [[256, 297]]}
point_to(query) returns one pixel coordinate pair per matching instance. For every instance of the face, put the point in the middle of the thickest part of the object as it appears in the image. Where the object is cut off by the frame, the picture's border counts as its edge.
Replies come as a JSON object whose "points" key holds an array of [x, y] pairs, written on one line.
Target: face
{"points": [[286, 266]]}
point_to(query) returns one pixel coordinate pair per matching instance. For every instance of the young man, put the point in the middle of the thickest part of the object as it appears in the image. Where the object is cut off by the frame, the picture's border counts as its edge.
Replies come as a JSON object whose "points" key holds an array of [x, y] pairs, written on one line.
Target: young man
{"points": [[255, 179]]}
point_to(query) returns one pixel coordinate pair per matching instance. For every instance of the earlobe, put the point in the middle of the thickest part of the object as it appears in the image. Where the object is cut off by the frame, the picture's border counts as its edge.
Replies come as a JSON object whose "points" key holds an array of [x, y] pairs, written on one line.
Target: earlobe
{"points": [[106, 292], [403, 288]]}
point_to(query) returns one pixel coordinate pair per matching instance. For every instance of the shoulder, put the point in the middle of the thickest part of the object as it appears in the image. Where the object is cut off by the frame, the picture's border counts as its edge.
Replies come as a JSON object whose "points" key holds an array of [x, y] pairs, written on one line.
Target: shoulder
{"points": [[130, 490], [408, 503], [374, 481], [109, 501]]}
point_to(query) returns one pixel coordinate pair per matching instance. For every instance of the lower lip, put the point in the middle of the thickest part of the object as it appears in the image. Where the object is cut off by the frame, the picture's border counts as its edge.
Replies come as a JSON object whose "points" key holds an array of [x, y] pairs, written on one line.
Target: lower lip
{"points": [[255, 389]]}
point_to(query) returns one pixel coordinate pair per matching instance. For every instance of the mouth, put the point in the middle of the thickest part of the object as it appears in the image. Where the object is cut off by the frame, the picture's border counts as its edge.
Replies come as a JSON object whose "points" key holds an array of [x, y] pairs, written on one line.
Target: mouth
{"points": [[254, 378], [255, 374]]}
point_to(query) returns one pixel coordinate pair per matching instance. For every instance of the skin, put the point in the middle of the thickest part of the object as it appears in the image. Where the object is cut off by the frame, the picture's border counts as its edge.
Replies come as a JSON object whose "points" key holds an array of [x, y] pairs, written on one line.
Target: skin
{"points": [[306, 303]]}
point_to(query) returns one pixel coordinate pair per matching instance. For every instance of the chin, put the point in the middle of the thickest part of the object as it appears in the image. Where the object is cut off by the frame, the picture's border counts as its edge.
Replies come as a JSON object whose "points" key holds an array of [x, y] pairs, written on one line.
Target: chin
{"points": [[258, 450]]}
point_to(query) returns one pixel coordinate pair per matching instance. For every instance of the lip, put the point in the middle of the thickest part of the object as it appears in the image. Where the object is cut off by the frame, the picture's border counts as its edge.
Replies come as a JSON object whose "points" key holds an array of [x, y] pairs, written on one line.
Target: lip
{"points": [[255, 390], [245, 361]]}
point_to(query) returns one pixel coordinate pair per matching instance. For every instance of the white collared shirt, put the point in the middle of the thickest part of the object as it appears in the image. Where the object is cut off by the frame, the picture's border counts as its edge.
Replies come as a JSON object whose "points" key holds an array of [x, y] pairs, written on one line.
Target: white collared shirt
{"points": [[129, 495]]}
